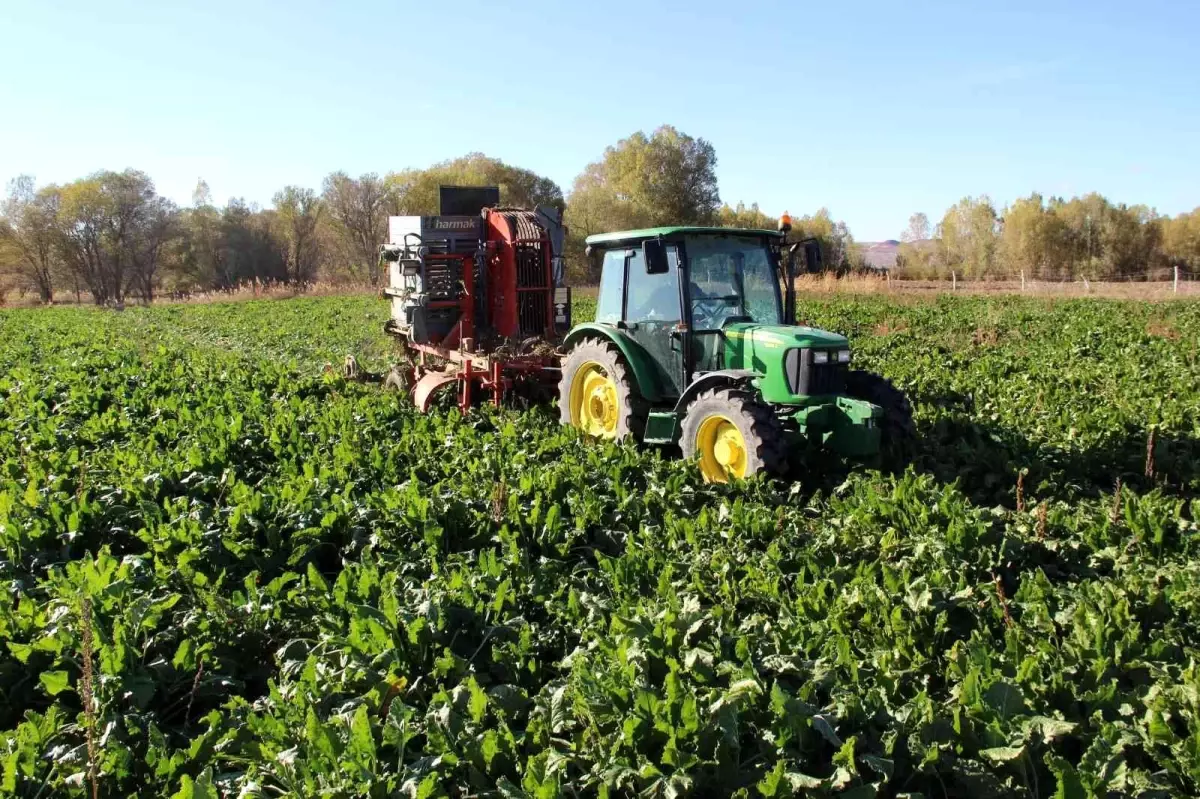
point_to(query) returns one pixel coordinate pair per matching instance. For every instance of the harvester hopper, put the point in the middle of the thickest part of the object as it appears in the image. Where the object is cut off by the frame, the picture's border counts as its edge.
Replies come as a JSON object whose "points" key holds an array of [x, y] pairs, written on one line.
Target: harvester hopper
{"points": [[478, 296]]}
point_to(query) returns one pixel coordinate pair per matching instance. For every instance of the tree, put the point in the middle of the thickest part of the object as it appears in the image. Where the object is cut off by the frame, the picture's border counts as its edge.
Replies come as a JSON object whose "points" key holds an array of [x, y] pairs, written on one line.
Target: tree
{"points": [[1110, 240], [748, 218], [1181, 240], [837, 244], [415, 191], [158, 230], [102, 221], [83, 221], [968, 237], [30, 234], [357, 210], [667, 178], [298, 211], [917, 230]]}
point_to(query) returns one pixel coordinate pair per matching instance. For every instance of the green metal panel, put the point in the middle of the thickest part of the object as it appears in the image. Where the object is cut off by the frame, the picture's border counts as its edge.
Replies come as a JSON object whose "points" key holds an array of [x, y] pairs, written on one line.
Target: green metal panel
{"points": [[848, 426], [761, 349], [662, 427], [655, 232], [643, 367]]}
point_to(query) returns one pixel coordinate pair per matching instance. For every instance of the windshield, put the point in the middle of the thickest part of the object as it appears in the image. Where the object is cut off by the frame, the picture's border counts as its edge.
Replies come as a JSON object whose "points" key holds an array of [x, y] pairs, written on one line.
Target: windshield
{"points": [[732, 277]]}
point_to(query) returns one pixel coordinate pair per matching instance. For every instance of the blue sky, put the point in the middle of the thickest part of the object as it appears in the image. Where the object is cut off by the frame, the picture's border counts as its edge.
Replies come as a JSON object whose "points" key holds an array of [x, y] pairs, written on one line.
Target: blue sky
{"points": [[873, 109]]}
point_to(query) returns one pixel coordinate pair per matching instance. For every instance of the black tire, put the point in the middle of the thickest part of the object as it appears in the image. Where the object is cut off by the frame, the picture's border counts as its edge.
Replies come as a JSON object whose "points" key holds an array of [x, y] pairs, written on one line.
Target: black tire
{"points": [[632, 407], [897, 425], [397, 380], [765, 448]]}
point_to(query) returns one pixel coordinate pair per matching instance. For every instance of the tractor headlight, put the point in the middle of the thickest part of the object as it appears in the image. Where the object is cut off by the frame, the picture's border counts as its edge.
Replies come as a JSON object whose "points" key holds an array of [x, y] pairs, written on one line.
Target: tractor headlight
{"points": [[820, 356], [843, 356]]}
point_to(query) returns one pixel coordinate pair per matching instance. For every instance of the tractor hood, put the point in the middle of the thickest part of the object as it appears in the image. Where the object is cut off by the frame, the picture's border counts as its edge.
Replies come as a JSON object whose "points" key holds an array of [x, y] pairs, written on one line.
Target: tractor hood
{"points": [[763, 341], [764, 349]]}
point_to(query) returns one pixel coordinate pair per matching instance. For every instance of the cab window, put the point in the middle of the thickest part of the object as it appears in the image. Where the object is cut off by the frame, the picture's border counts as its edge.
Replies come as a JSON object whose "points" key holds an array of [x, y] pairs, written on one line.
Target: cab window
{"points": [[653, 298], [612, 279]]}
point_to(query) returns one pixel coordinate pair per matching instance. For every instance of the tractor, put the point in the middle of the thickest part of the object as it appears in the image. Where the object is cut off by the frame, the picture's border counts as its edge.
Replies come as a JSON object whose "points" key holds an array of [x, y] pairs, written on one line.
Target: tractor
{"points": [[695, 344]]}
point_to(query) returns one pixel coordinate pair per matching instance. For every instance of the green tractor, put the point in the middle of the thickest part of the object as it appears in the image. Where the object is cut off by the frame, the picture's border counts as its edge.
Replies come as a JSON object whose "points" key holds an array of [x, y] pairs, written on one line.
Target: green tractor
{"points": [[695, 344]]}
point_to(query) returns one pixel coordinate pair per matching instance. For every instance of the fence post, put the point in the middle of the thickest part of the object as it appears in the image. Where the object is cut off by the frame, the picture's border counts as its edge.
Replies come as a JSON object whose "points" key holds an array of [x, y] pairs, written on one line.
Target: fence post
{"points": [[1087, 287], [889, 279], [1022, 280], [953, 280], [1176, 286]]}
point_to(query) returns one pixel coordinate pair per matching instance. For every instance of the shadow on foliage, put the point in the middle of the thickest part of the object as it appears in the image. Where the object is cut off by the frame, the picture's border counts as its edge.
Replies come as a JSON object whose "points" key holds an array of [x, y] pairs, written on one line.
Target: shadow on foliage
{"points": [[986, 460]]}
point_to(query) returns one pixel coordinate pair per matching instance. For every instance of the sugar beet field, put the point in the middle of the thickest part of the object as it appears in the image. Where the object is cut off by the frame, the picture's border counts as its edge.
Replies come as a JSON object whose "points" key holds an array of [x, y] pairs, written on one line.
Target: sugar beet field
{"points": [[229, 573]]}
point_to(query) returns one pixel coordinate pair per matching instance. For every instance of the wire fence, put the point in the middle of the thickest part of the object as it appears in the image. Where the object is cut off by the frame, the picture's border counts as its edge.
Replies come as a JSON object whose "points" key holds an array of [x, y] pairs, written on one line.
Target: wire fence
{"points": [[1150, 284]]}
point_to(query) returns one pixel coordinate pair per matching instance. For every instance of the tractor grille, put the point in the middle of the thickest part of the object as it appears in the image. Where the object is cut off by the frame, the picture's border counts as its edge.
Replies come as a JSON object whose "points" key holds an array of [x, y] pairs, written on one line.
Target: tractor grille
{"points": [[814, 379], [828, 378], [531, 313]]}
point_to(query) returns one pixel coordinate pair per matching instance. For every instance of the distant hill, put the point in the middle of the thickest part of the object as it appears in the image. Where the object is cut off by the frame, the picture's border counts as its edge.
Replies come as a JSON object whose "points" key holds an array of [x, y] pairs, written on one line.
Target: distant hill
{"points": [[880, 254]]}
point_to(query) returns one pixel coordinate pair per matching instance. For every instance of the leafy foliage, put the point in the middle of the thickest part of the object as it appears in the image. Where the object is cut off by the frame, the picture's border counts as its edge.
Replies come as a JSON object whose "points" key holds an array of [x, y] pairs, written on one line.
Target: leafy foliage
{"points": [[296, 585]]}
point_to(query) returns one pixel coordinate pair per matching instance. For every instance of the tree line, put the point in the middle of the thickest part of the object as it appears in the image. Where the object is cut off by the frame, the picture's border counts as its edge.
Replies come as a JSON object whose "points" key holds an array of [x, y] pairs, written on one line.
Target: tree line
{"points": [[1052, 238], [110, 236]]}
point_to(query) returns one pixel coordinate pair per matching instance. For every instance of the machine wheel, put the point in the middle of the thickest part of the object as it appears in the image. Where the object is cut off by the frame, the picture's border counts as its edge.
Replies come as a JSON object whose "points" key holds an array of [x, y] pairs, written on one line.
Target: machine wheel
{"points": [[597, 393], [898, 429], [398, 380], [734, 434]]}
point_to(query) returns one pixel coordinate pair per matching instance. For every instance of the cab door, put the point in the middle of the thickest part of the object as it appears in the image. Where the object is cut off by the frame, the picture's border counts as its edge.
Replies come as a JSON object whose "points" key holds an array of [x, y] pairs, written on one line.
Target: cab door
{"points": [[653, 316]]}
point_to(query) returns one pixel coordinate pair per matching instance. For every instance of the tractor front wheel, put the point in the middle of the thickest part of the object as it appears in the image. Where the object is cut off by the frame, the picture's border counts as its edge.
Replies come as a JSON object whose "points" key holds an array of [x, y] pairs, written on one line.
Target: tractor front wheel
{"points": [[597, 393], [897, 426], [734, 435]]}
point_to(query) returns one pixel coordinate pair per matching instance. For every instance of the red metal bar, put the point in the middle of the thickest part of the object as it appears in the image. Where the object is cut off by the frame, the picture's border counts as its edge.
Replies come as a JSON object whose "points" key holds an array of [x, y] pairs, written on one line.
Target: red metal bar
{"points": [[497, 384], [467, 377]]}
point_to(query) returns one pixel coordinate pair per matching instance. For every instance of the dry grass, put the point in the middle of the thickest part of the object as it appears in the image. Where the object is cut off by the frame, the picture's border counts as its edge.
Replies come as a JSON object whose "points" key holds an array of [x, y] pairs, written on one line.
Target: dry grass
{"points": [[827, 283], [271, 291], [1162, 329], [239, 293]]}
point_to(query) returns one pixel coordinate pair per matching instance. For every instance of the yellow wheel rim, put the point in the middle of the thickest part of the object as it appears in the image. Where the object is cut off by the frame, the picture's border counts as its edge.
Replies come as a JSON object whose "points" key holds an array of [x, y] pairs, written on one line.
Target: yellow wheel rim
{"points": [[595, 408], [722, 450]]}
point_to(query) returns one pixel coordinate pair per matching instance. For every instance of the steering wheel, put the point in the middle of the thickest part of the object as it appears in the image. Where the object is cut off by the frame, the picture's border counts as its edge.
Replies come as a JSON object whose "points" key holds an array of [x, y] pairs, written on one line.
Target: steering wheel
{"points": [[711, 307]]}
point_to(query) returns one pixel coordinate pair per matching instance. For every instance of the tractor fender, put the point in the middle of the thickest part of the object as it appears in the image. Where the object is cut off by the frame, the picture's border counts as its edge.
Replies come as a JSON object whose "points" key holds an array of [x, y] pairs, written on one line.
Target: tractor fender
{"points": [[721, 377], [638, 359]]}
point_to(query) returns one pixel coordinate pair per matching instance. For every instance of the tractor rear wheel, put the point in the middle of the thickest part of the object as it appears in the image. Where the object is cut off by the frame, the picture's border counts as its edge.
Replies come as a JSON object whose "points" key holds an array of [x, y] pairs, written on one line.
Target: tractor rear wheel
{"points": [[734, 435], [897, 426], [597, 393]]}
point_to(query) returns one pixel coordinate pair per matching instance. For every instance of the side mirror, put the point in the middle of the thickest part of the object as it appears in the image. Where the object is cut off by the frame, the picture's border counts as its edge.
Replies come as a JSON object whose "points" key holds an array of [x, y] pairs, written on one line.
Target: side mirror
{"points": [[410, 266], [656, 257], [812, 255]]}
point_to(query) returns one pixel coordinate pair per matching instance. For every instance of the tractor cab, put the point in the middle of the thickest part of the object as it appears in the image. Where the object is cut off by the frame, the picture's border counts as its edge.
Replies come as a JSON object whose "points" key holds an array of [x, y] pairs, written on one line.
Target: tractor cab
{"points": [[699, 322]]}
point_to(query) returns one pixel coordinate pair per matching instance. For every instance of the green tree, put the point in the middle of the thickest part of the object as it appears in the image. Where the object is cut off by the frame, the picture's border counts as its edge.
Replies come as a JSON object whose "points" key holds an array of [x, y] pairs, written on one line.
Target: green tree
{"points": [[298, 212], [357, 214], [747, 218], [1181, 240], [153, 243], [103, 222], [1035, 240], [84, 211], [415, 191], [838, 252], [667, 178], [968, 237], [29, 234], [1110, 241]]}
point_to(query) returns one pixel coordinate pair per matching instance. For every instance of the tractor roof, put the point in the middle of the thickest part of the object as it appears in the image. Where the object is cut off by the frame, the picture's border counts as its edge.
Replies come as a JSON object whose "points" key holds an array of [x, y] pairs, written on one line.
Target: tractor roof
{"points": [[654, 232]]}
